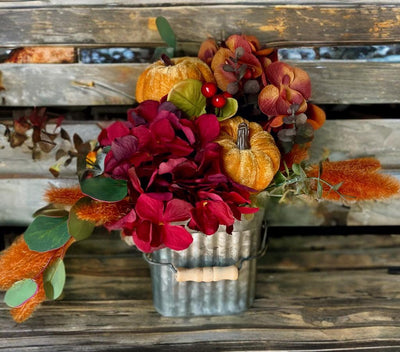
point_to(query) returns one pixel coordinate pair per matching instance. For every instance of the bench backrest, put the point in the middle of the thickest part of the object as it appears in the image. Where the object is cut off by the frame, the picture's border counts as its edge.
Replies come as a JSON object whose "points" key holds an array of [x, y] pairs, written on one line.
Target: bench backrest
{"points": [[95, 23], [131, 23]]}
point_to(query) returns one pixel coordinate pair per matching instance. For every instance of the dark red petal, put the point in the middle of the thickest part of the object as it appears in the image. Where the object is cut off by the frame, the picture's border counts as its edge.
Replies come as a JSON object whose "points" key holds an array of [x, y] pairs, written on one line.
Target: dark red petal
{"points": [[170, 165], [162, 130], [222, 211], [177, 210], [142, 236], [203, 220], [133, 177], [208, 128], [149, 208], [248, 210], [125, 222], [147, 109], [176, 237], [124, 147], [117, 129]]}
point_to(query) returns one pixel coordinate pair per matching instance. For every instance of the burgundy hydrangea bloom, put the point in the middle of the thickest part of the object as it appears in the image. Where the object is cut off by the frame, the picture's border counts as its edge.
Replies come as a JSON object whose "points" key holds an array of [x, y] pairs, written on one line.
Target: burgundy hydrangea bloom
{"points": [[174, 174]]}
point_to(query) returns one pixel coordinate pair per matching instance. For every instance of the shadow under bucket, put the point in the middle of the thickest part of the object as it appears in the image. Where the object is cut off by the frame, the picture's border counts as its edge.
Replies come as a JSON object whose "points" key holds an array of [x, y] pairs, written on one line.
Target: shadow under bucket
{"points": [[210, 255]]}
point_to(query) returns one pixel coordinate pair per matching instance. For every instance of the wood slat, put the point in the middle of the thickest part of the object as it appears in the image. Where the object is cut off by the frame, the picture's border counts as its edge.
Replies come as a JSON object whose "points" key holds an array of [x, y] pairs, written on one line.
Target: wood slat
{"points": [[333, 82], [23, 181], [274, 23], [312, 293]]}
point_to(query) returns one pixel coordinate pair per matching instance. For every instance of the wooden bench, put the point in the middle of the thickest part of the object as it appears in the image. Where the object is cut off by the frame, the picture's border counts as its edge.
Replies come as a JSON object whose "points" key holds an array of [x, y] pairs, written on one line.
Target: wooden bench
{"points": [[320, 291]]}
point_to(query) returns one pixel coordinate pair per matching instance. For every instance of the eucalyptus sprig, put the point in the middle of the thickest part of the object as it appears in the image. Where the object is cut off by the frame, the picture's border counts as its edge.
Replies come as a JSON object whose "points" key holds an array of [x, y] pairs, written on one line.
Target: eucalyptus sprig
{"points": [[294, 182]]}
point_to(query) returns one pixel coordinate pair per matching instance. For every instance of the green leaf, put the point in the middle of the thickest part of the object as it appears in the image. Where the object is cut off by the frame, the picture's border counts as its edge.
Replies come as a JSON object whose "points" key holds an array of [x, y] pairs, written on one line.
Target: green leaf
{"points": [[105, 188], [20, 292], [228, 110], [166, 32], [170, 52], [54, 279], [337, 186], [186, 96], [47, 233], [319, 189], [51, 211], [279, 178], [296, 169], [78, 228]]}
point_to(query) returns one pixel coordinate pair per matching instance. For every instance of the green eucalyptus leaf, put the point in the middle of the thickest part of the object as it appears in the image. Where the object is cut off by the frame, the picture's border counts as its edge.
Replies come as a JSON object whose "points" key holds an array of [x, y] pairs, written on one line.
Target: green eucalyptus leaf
{"points": [[186, 96], [228, 110], [47, 233], [51, 211], [20, 292], [78, 228], [166, 32], [169, 51], [279, 178], [54, 279], [104, 188], [296, 169], [337, 186]]}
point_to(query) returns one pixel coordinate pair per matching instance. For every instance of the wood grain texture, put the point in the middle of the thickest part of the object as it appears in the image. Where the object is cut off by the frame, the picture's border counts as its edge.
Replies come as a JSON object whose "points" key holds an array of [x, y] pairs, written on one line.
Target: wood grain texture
{"points": [[320, 303], [274, 23], [22, 180], [333, 82]]}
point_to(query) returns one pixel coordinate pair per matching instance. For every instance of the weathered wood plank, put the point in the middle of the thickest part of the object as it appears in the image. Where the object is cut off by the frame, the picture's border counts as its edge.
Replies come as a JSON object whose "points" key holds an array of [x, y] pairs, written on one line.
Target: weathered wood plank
{"points": [[22, 180], [274, 23], [144, 3], [280, 316], [51, 85], [340, 82]]}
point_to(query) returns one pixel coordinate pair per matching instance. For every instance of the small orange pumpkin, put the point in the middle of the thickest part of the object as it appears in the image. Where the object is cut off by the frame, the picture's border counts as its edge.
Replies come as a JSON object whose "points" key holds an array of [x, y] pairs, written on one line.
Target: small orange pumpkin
{"points": [[158, 79], [253, 165]]}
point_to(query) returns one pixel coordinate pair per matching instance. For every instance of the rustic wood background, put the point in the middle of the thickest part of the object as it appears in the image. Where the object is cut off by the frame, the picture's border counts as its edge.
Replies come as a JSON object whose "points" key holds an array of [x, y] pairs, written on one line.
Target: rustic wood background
{"points": [[314, 293]]}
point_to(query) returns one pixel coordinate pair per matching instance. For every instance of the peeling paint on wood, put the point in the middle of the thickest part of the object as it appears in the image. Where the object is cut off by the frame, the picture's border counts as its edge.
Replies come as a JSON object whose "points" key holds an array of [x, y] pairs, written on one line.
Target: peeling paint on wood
{"points": [[106, 25]]}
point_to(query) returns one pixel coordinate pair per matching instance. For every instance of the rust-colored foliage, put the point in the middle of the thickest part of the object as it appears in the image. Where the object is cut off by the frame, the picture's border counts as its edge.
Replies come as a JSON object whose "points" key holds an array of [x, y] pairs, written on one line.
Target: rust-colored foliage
{"points": [[316, 117], [63, 196], [360, 179], [19, 262], [298, 153]]}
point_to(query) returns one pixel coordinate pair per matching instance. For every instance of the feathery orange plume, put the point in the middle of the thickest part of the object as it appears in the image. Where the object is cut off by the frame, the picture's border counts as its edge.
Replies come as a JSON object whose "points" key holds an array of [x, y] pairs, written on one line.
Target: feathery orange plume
{"points": [[25, 310], [360, 180], [101, 213], [18, 262], [64, 195]]}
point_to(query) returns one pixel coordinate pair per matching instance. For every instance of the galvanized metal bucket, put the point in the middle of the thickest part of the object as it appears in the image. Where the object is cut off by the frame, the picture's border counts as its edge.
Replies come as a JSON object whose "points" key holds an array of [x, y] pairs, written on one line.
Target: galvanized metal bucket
{"points": [[215, 259]]}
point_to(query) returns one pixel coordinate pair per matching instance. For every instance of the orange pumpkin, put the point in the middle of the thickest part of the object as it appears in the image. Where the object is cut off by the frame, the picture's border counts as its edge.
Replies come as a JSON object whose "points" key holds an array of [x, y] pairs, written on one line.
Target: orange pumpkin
{"points": [[253, 165], [158, 79]]}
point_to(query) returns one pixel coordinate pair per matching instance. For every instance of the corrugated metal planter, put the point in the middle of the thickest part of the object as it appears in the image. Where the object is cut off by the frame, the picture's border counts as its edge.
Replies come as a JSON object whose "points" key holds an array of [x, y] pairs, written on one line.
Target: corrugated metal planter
{"points": [[220, 253]]}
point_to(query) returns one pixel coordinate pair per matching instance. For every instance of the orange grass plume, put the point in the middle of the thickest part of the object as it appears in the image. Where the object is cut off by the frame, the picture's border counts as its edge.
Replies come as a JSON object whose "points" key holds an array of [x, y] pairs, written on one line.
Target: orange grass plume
{"points": [[18, 262], [102, 213], [63, 196], [360, 180]]}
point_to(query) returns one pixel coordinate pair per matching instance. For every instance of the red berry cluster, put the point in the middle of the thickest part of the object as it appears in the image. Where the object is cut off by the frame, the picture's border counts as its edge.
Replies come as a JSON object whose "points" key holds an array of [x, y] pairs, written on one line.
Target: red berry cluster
{"points": [[209, 90]]}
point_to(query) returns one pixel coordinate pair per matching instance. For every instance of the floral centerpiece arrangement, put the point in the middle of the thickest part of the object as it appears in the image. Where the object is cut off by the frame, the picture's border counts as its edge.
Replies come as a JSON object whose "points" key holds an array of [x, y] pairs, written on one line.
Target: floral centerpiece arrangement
{"points": [[208, 135]]}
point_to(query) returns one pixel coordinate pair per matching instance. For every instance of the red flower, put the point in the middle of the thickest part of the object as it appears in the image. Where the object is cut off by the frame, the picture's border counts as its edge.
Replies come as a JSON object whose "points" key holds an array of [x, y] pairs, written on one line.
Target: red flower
{"points": [[209, 213], [153, 229]]}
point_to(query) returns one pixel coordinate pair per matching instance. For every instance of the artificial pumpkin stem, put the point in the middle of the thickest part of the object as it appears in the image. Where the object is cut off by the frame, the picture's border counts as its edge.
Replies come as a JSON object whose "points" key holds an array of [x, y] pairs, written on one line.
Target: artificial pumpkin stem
{"points": [[243, 140], [166, 60]]}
